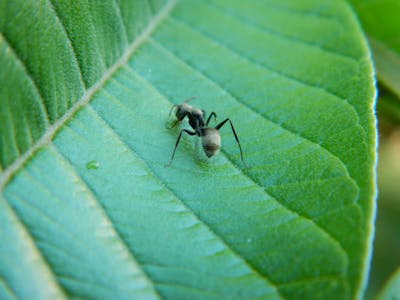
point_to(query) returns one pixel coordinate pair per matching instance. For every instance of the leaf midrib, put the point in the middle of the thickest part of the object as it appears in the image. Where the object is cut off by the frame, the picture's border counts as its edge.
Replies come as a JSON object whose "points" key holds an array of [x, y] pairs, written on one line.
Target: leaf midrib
{"points": [[52, 130], [88, 96], [48, 136]]}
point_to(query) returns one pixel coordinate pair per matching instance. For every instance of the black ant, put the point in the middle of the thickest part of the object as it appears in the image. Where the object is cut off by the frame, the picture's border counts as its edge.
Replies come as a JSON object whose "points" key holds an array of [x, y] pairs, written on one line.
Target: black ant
{"points": [[210, 137]]}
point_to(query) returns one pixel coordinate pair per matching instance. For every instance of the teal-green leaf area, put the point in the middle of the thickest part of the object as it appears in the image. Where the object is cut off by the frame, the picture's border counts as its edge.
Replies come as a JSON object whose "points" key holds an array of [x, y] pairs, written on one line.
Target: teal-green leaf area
{"points": [[391, 291], [88, 208]]}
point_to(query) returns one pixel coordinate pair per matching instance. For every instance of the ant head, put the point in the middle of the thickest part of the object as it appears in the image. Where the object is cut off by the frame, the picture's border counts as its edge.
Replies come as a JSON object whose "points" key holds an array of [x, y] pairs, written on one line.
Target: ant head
{"points": [[182, 110], [211, 141]]}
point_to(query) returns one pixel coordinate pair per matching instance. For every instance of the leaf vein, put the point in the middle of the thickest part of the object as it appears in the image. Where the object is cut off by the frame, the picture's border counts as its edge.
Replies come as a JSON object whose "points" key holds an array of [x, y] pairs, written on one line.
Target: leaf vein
{"points": [[7, 288], [264, 66], [103, 211], [13, 133], [328, 234], [69, 41], [30, 238], [329, 278], [323, 230], [50, 219], [238, 99], [29, 76], [262, 28], [123, 26]]}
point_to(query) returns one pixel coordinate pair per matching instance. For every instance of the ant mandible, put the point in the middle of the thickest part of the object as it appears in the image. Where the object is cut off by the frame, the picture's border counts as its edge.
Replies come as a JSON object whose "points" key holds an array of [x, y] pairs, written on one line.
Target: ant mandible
{"points": [[210, 137]]}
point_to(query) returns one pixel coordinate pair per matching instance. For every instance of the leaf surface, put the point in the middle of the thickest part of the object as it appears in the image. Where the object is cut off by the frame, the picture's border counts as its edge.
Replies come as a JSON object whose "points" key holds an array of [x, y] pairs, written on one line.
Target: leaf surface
{"points": [[89, 205]]}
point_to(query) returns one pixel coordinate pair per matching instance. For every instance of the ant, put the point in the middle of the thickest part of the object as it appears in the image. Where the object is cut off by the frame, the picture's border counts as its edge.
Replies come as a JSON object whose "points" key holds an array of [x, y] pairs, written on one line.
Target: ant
{"points": [[210, 137]]}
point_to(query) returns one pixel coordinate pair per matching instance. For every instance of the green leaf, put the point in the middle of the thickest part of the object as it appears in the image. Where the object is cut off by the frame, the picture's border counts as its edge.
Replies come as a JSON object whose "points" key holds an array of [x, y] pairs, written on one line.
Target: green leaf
{"points": [[380, 19], [88, 207], [391, 291]]}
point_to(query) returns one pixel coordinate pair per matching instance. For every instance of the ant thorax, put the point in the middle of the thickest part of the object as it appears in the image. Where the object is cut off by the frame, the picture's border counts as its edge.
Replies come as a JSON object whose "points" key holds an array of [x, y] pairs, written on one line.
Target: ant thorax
{"points": [[196, 112]]}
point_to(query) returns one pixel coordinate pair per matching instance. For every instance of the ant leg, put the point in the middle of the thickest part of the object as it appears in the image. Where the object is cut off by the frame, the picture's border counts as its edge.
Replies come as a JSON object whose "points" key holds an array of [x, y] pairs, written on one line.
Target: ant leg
{"points": [[177, 142], [197, 129], [209, 117], [234, 133]]}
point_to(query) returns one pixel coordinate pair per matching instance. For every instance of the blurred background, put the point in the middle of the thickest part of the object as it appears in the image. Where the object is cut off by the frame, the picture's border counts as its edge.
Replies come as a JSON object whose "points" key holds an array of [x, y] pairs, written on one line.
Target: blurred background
{"points": [[380, 20], [386, 256]]}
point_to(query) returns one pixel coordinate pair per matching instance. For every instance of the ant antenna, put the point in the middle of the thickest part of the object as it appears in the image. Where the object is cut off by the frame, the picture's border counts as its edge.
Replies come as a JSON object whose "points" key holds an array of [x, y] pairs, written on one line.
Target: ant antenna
{"points": [[172, 108], [185, 101], [190, 99]]}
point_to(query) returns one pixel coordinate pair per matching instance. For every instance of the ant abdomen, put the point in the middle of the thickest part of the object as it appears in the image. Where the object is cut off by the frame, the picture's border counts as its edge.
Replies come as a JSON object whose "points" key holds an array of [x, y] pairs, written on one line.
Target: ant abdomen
{"points": [[211, 141]]}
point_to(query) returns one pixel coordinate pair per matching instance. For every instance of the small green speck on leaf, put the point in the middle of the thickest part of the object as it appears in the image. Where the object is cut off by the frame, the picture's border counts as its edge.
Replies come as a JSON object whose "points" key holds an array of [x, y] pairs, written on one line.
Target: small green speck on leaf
{"points": [[93, 164]]}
